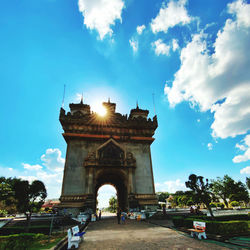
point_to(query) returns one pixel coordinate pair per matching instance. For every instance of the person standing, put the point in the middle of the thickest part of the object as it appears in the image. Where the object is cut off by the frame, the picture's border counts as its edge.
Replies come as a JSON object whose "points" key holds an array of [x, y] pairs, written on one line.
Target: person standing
{"points": [[119, 216], [123, 218], [100, 214]]}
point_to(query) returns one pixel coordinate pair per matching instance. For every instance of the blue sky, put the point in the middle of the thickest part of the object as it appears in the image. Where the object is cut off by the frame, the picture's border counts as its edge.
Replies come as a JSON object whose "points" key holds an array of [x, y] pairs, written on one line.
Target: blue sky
{"points": [[193, 55]]}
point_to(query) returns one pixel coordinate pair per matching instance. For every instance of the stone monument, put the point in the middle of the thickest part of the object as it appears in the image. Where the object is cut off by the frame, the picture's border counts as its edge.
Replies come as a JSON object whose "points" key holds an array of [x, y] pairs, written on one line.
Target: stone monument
{"points": [[113, 149]]}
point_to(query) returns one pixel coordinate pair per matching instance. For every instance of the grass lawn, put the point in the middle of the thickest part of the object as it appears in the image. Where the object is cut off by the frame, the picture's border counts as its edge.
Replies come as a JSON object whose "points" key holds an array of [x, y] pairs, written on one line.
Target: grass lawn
{"points": [[45, 243], [29, 241]]}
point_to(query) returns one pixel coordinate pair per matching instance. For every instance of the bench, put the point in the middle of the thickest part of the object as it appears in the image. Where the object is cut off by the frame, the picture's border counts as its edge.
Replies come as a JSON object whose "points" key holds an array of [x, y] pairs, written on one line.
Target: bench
{"points": [[73, 240], [76, 232], [198, 230]]}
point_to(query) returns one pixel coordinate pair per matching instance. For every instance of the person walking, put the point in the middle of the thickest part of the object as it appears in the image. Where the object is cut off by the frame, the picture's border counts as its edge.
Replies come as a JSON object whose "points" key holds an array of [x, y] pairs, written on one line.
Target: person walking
{"points": [[119, 216]]}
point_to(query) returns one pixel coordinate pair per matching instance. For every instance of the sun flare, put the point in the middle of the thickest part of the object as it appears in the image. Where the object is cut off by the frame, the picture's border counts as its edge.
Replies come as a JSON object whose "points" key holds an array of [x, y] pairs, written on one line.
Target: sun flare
{"points": [[100, 110]]}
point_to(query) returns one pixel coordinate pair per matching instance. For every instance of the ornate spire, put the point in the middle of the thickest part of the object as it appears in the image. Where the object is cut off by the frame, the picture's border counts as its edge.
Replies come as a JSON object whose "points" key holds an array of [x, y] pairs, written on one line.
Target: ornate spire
{"points": [[82, 99]]}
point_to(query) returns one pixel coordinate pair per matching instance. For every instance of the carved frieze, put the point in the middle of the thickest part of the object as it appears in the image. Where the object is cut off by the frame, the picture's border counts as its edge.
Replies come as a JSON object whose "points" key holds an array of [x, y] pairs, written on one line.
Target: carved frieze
{"points": [[110, 155]]}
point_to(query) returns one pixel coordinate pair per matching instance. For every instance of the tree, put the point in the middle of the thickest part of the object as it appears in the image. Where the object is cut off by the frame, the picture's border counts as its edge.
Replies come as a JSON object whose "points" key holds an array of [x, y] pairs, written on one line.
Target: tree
{"points": [[227, 188], [7, 199], [201, 192], [29, 197], [162, 196], [112, 204], [248, 182], [240, 193], [223, 188]]}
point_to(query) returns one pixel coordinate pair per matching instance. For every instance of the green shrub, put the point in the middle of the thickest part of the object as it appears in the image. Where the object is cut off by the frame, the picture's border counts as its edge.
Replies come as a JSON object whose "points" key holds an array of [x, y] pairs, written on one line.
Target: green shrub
{"points": [[226, 227], [222, 218], [188, 222], [190, 202], [212, 204], [220, 204], [234, 204], [220, 227], [178, 221], [3, 212]]}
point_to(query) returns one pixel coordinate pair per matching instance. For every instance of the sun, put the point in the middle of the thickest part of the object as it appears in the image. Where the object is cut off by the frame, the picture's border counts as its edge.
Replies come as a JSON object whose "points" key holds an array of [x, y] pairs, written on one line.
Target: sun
{"points": [[100, 110]]}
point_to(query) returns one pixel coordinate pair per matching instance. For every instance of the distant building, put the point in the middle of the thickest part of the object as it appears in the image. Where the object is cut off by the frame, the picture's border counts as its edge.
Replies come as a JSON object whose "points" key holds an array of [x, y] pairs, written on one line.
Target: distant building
{"points": [[50, 204]]}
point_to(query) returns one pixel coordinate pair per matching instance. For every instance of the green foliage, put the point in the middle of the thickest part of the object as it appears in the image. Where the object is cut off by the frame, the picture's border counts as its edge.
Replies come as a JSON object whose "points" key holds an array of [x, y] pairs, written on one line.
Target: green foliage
{"points": [[3, 212], [182, 199], [248, 182], [162, 196], [240, 193], [190, 202], [30, 197], [220, 204], [112, 204], [178, 221], [227, 188], [200, 190], [26, 241], [234, 204], [7, 199], [212, 204], [18, 241], [214, 227], [222, 188], [226, 227]]}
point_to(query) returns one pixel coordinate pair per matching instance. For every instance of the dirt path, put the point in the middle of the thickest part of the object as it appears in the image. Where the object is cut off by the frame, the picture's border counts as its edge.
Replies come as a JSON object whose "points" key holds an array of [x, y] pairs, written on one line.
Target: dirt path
{"points": [[107, 234]]}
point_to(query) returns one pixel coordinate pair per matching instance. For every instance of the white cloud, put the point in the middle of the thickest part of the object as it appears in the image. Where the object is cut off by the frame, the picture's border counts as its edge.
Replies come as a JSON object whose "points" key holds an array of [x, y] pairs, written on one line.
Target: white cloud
{"points": [[53, 160], [210, 146], [243, 147], [241, 10], [198, 120], [161, 48], [11, 169], [175, 44], [174, 14], [51, 175], [140, 29], [134, 44], [28, 178], [31, 167], [240, 147], [245, 170], [218, 81], [101, 14], [170, 186]]}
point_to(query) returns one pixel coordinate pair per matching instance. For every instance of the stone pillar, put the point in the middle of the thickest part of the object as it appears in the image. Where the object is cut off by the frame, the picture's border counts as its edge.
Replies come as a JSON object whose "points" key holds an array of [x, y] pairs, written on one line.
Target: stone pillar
{"points": [[130, 181], [90, 180]]}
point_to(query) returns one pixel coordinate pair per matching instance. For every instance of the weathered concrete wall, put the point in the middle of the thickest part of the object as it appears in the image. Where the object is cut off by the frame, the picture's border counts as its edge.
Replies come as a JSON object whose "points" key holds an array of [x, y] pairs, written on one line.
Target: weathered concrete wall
{"points": [[75, 174], [143, 174]]}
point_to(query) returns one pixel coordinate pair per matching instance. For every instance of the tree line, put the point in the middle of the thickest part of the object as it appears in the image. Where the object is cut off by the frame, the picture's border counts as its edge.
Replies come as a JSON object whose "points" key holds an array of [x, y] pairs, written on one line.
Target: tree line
{"points": [[209, 193]]}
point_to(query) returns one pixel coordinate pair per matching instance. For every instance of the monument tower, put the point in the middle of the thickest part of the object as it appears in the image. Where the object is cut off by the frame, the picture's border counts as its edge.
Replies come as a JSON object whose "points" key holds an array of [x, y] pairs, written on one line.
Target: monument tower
{"points": [[113, 149]]}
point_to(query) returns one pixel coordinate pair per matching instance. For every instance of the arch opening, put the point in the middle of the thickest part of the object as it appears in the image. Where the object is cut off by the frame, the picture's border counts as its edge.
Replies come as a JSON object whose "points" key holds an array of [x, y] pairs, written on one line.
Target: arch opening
{"points": [[104, 194], [118, 180]]}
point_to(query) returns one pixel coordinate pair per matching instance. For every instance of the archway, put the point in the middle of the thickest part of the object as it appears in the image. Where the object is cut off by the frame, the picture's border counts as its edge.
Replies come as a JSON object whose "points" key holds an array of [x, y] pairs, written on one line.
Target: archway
{"points": [[104, 193], [116, 178]]}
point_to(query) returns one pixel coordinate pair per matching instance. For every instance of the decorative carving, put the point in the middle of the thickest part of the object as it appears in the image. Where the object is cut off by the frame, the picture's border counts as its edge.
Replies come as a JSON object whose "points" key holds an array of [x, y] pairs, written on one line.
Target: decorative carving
{"points": [[111, 154], [130, 159]]}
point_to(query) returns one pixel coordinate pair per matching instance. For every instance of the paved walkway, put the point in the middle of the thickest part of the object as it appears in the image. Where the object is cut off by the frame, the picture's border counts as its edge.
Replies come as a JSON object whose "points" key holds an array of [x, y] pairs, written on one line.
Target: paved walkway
{"points": [[107, 234]]}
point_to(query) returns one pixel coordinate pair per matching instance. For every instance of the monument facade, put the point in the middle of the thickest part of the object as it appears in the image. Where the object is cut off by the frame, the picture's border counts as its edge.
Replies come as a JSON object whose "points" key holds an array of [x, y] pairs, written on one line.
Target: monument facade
{"points": [[113, 149]]}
